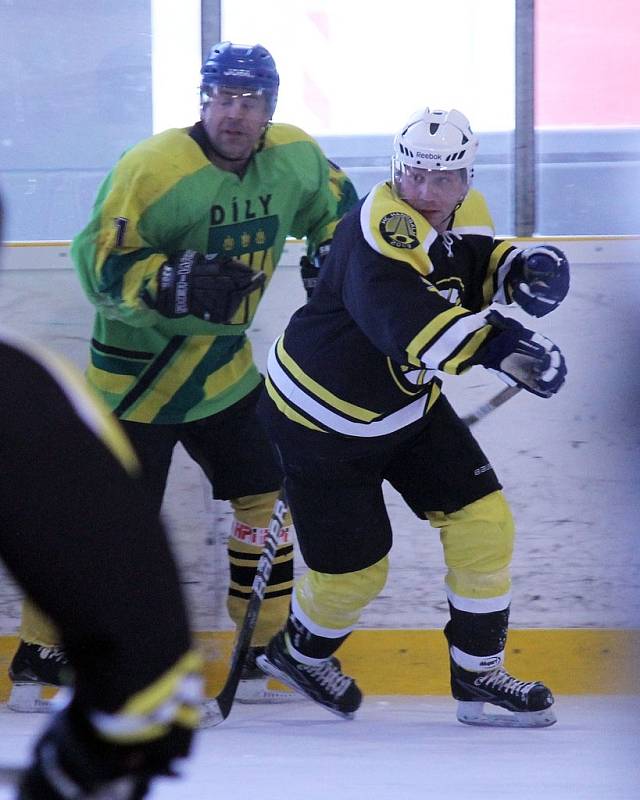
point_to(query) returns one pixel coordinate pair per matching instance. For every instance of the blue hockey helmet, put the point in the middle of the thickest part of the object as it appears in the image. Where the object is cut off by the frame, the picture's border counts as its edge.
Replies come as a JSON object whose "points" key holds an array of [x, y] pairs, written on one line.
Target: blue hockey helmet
{"points": [[242, 66]]}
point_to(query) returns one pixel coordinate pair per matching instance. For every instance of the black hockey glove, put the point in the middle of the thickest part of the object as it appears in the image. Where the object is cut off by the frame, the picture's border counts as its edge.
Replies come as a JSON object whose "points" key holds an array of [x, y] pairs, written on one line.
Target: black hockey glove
{"points": [[539, 279], [71, 761], [310, 268], [522, 357], [209, 287]]}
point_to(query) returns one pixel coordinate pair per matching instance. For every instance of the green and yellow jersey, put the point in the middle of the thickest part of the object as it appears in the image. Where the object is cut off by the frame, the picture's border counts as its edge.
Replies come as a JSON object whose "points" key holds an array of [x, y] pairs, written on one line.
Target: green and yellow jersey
{"points": [[163, 196], [395, 304]]}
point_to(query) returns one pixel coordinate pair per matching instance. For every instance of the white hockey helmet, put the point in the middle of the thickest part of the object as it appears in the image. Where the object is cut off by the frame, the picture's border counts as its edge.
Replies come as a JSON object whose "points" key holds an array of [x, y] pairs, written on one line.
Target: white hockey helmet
{"points": [[436, 140]]}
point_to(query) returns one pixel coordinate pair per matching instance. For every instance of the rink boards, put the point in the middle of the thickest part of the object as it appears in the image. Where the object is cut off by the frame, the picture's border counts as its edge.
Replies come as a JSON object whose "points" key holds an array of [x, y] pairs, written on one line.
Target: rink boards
{"points": [[414, 662]]}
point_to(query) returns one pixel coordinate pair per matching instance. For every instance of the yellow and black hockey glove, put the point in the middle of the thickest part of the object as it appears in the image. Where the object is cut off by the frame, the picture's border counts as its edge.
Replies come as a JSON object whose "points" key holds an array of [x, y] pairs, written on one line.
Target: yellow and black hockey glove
{"points": [[209, 287], [87, 753], [310, 267]]}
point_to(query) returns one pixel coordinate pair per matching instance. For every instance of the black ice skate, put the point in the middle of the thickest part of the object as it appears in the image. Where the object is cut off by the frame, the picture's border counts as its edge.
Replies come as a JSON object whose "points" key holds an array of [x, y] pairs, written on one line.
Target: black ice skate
{"points": [[256, 687], [324, 683], [529, 703], [33, 668]]}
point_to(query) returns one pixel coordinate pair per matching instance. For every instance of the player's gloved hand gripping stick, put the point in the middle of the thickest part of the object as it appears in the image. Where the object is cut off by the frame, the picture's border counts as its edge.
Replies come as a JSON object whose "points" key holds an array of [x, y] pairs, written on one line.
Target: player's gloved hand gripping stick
{"points": [[209, 287], [539, 279], [523, 358]]}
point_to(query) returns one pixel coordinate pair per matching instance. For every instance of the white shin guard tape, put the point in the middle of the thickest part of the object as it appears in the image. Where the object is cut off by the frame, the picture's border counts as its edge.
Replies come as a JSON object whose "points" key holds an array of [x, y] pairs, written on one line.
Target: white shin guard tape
{"points": [[476, 663], [478, 605], [257, 536]]}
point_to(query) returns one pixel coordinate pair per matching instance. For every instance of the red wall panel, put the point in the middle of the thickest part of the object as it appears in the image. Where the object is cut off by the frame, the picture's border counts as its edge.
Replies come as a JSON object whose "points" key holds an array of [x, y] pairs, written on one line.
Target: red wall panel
{"points": [[587, 62]]}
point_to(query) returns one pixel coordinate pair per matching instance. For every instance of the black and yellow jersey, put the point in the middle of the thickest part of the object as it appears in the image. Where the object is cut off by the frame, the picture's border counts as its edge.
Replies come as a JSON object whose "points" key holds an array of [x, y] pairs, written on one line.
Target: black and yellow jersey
{"points": [[164, 196], [395, 304], [48, 391], [81, 537]]}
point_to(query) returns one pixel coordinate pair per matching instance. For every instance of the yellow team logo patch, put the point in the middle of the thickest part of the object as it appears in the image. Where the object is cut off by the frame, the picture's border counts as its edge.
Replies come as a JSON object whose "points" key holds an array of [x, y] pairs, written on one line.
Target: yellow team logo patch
{"points": [[399, 230]]}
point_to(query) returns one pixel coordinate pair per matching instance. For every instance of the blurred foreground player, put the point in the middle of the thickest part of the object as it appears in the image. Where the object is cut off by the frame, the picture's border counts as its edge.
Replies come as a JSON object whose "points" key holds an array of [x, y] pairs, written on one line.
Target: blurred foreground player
{"points": [[67, 483], [354, 399]]}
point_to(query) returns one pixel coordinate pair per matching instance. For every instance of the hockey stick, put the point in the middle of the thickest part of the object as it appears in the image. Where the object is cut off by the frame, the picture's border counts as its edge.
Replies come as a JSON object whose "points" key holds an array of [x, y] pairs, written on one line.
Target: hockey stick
{"points": [[219, 708], [482, 411]]}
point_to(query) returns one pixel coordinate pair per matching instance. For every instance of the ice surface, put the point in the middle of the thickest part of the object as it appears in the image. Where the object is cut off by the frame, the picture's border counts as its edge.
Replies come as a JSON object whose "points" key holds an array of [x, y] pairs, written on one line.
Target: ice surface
{"points": [[397, 748]]}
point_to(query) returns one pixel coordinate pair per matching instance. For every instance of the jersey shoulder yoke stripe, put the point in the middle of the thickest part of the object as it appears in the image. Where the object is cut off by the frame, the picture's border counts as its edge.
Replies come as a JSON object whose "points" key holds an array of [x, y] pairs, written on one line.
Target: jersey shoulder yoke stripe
{"points": [[395, 230], [280, 133], [165, 158], [473, 216]]}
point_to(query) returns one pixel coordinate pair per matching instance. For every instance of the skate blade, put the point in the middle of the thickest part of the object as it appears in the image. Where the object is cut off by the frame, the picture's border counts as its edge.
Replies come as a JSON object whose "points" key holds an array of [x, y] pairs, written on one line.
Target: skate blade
{"points": [[472, 713], [270, 669], [210, 714], [264, 691], [26, 698]]}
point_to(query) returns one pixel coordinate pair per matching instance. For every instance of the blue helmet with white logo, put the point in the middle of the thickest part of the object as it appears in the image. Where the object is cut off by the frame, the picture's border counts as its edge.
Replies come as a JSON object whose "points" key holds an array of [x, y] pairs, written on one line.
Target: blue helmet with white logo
{"points": [[242, 66]]}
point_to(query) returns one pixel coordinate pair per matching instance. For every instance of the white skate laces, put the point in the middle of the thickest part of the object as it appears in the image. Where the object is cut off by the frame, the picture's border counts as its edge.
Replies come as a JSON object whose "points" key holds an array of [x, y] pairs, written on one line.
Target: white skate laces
{"points": [[55, 653], [501, 680], [328, 676], [323, 681]]}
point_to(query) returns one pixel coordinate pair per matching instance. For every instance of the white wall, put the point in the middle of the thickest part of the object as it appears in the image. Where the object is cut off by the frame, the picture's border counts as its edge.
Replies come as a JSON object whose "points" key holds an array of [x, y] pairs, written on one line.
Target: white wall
{"points": [[570, 465]]}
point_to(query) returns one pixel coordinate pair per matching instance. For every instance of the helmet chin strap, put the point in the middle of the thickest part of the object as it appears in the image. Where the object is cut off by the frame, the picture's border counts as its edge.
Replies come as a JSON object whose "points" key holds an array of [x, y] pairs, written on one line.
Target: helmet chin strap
{"points": [[447, 220], [455, 208], [460, 202]]}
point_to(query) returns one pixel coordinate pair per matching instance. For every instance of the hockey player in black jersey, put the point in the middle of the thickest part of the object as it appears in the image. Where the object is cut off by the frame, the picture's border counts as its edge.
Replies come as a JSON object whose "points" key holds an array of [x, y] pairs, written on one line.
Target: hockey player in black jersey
{"points": [[68, 482], [354, 399]]}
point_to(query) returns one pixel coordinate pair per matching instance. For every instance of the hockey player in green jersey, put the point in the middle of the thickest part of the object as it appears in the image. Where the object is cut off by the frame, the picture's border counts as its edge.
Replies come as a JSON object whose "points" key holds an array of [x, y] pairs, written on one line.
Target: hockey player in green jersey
{"points": [[186, 232], [354, 399]]}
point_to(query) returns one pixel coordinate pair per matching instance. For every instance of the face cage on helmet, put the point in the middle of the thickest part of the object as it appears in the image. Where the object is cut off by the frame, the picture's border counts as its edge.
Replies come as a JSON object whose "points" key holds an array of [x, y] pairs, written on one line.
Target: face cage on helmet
{"points": [[398, 168], [208, 90]]}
